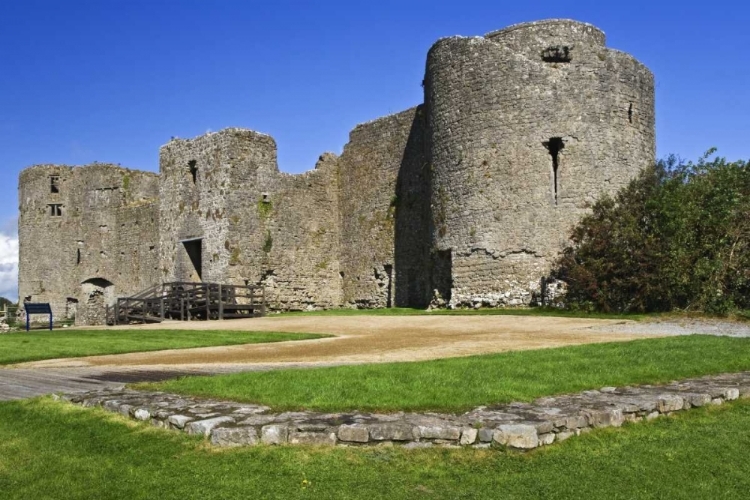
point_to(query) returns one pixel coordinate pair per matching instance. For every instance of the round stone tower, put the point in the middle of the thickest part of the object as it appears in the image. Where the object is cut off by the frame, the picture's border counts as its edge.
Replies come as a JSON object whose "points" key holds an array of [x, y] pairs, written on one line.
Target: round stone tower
{"points": [[528, 126]]}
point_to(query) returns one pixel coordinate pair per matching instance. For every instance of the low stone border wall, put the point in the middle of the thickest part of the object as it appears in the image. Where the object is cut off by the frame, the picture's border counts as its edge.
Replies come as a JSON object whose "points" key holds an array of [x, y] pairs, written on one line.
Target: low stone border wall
{"points": [[515, 425]]}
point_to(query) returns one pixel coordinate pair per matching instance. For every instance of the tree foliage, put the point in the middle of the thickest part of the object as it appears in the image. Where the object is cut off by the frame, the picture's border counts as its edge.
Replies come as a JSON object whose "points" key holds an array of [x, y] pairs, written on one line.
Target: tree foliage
{"points": [[676, 238]]}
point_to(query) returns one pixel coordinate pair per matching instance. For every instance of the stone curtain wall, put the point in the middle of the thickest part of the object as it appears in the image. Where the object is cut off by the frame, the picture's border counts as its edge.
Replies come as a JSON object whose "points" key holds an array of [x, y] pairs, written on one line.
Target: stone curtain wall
{"points": [[463, 201], [298, 258], [101, 244], [381, 172], [257, 224], [500, 108], [411, 206], [320, 239], [137, 245]]}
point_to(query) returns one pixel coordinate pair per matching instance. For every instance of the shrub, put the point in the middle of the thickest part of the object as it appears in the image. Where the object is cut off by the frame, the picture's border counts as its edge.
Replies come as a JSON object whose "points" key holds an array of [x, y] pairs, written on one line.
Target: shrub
{"points": [[677, 237]]}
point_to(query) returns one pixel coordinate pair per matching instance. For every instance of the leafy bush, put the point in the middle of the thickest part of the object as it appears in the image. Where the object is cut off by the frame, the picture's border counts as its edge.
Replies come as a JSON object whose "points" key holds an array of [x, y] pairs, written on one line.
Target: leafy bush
{"points": [[676, 238]]}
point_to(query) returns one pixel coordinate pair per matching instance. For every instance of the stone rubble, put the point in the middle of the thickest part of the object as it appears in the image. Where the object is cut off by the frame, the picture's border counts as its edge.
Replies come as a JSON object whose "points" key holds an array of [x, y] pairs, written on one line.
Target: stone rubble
{"points": [[521, 426]]}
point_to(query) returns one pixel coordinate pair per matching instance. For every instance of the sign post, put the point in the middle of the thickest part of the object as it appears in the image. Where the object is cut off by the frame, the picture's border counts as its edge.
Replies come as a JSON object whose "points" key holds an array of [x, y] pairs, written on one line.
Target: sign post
{"points": [[37, 308]]}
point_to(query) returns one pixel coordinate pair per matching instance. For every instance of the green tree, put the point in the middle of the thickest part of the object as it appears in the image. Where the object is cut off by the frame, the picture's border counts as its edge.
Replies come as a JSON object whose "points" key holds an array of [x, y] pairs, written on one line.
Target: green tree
{"points": [[677, 237]]}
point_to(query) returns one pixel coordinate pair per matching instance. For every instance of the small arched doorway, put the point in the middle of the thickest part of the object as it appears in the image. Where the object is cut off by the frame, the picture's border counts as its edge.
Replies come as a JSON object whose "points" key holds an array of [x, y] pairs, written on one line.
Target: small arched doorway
{"points": [[96, 295]]}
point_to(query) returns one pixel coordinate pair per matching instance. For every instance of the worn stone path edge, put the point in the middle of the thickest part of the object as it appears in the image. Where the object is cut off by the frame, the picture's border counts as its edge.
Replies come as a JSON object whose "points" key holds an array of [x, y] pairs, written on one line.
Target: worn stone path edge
{"points": [[520, 426]]}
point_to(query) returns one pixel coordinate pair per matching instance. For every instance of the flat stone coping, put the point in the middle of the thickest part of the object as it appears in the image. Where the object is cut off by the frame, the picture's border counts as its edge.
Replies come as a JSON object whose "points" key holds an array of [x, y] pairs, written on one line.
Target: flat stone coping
{"points": [[520, 426]]}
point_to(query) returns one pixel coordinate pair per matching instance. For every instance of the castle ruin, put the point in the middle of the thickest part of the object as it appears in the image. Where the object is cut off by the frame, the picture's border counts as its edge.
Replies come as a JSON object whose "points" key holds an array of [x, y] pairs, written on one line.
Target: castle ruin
{"points": [[464, 200]]}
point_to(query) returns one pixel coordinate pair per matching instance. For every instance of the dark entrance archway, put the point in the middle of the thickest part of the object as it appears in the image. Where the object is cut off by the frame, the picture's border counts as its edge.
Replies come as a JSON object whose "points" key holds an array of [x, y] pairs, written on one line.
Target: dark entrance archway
{"points": [[96, 294], [190, 264]]}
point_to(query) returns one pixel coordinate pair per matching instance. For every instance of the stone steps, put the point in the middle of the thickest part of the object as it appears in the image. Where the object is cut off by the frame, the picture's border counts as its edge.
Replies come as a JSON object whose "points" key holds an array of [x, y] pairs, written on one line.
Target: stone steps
{"points": [[516, 425]]}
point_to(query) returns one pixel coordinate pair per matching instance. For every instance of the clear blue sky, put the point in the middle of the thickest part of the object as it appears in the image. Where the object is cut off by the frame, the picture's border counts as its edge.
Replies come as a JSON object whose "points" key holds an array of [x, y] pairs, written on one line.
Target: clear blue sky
{"points": [[111, 81]]}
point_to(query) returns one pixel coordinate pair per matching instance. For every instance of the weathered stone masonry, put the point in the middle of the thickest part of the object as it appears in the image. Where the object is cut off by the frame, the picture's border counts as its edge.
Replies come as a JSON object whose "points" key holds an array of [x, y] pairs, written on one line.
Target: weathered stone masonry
{"points": [[521, 426], [464, 200], [87, 235]]}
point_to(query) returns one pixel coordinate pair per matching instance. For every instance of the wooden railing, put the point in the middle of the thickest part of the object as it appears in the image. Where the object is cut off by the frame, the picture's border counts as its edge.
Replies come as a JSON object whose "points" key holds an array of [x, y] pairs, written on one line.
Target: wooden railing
{"points": [[9, 313], [188, 301]]}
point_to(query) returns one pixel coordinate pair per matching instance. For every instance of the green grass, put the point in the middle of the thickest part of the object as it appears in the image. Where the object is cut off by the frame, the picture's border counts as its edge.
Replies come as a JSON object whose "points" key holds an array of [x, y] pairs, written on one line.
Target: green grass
{"points": [[508, 311], [31, 346], [52, 451], [458, 384]]}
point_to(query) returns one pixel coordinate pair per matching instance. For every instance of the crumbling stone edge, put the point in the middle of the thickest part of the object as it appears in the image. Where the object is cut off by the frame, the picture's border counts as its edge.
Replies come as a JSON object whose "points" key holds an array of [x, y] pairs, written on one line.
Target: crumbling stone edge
{"points": [[521, 426]]}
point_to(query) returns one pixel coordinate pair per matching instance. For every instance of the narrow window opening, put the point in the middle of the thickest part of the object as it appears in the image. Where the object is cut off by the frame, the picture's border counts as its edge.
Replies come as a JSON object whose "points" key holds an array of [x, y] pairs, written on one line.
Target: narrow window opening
{"points": [[557, 54], [388, 268], [55, 209], [630, 113], [78, 256], [192, 165], [54, 184], [554, 146]]}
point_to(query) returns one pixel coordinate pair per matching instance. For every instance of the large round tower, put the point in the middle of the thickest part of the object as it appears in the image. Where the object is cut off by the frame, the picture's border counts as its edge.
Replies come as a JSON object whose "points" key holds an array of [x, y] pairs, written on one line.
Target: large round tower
{"points": [[527, 127]]}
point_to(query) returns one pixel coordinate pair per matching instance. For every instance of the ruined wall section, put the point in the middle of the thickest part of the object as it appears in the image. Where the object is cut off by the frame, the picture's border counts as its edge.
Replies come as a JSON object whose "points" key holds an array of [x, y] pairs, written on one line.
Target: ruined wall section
{"points": [[288, 238], [137, 245], [374, 200], [47, 246], [528, 127], [198, 191], [247, 222], [76, 248], [255, 224]]}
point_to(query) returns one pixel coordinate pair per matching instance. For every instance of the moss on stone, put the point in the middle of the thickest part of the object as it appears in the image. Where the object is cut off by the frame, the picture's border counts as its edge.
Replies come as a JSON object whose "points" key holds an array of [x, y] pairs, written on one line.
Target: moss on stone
{"points": [[265, 209], [234, 258], [268, 243]]}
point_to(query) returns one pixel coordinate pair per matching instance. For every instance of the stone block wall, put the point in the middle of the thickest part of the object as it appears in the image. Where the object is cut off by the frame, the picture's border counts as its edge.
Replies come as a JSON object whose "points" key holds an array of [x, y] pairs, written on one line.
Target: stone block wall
{"points": [[384, 204], [223, 194], [528, 127], [519, 426], [303, 233], [88, 242], [202, 181], [290, 238]]}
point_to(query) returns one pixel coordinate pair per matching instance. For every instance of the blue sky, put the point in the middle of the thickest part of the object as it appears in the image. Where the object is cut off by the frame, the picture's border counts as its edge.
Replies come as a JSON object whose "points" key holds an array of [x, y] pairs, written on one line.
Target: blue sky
{"points": [[111, 81]]}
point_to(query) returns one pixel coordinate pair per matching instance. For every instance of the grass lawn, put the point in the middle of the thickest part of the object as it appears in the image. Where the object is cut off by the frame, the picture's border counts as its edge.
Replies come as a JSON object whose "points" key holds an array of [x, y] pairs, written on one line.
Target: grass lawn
{"points": [[458, 384], [52, 450], [19, 347], [507, 311]]}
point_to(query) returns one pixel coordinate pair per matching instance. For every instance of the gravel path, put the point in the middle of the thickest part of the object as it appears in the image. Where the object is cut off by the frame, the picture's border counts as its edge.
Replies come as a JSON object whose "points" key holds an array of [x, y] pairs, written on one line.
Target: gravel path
{"points": [[366, 339], [359, 340], [684, 326]]}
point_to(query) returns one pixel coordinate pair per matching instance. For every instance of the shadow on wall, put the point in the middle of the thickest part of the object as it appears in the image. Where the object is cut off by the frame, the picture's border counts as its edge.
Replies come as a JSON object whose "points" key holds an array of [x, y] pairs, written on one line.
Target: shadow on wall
{"points": [[411, 204], [189, 260]]}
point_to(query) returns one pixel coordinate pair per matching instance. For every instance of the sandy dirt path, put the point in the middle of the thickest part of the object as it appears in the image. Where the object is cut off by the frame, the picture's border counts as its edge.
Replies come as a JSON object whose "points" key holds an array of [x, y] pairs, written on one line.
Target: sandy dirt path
{"points": [[361, 339]]}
